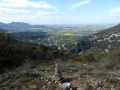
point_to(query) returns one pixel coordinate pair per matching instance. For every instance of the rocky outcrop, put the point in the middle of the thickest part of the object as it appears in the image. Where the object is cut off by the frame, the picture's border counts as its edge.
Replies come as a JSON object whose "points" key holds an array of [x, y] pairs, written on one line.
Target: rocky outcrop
{"points": [[81, 88], [58, 75], [60, 79], [66, 86], [82, 45], [102, 42]]}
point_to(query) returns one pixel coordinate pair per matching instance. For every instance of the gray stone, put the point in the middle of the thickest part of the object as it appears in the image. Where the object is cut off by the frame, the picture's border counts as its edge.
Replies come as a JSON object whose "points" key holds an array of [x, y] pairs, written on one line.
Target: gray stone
{"points": [[66, 86], [81, 88]]}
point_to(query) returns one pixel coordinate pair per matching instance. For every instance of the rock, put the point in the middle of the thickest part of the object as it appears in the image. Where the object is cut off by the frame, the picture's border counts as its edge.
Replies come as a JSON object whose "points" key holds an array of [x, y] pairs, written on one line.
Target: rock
{"points": [[60, 80], [113, 89], [81, 88], [95, 84], [32, 87], [58, 74], [83, 45], [66, 86], [43, 87]]}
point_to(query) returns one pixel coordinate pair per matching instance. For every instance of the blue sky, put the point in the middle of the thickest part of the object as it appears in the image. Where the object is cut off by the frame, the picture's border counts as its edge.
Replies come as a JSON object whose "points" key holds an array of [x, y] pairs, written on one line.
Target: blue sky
{"points": [[60, 11]]}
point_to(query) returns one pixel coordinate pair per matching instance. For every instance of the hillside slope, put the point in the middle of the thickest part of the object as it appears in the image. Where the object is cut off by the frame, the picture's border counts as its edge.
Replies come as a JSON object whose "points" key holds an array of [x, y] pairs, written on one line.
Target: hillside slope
{"points": [[104, 41], [107, 40], [37, 68], [14, 52]]}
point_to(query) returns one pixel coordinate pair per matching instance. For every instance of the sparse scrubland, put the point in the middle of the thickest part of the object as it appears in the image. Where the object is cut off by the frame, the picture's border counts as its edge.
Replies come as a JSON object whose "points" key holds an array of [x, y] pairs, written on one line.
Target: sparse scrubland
{"points": [[40, 75], [25, 66]]}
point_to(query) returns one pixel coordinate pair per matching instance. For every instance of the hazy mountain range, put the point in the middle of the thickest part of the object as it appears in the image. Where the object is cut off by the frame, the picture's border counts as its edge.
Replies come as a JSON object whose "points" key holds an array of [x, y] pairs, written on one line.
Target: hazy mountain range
{"points": [[19, 26]]}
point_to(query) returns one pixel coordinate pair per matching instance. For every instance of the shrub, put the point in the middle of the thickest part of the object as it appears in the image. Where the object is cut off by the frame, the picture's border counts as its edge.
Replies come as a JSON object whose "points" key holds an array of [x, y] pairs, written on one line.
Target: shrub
{"points": [[110, 60], [78, 58], [87, 57], [13, 52]]}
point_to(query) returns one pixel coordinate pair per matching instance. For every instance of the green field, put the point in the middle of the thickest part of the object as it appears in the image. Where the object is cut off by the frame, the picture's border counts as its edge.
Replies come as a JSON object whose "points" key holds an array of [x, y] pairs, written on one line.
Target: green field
{"points": [[62, 36], [65, 36]]}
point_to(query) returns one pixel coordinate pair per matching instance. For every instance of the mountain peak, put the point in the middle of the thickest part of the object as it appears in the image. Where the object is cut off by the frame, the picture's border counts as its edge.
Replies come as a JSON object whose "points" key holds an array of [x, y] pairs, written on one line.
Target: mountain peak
{"points": [[18, 23]]}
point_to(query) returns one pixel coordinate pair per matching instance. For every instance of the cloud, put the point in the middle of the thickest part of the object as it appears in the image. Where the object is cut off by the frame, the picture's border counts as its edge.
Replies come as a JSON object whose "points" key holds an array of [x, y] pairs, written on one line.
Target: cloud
{"points": [[115, 11], [115, 14], [76, 5], [14, 10], [24, 3], [25, 10]]}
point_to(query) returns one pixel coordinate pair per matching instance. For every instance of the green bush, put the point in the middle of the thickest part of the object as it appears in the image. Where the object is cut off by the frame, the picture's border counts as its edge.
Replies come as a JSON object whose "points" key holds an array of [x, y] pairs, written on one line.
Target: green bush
{"points": [[87, 57], [78, 58]]}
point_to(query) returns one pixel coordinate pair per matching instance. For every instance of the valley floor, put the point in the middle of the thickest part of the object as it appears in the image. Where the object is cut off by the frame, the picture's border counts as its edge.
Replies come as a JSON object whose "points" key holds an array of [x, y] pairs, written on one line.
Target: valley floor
{"points": [[40, 76]]}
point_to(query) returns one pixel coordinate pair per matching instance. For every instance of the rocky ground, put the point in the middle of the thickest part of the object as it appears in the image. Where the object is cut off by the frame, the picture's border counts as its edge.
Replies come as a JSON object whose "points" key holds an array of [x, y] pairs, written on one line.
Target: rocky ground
{"points": [[41, 76]]}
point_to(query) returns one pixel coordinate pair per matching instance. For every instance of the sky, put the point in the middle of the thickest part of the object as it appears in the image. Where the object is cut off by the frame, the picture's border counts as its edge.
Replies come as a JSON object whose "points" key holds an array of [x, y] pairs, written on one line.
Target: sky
{"points": [[60, 11]]}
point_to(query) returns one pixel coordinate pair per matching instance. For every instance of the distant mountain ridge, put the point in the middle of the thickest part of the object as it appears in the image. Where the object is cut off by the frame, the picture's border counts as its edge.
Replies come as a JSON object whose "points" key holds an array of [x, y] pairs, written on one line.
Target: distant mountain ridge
{"points": [[19, 26], [105, 41]]}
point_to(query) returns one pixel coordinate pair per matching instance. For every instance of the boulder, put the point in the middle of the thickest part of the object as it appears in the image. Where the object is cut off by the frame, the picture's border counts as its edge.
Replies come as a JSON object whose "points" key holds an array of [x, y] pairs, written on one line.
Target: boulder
{"points": [[66, 86], [81, 88]]}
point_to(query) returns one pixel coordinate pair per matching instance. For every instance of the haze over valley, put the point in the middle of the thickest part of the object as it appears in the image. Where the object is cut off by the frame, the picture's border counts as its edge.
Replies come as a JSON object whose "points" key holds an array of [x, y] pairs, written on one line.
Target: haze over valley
{"points": [[59, 45]]}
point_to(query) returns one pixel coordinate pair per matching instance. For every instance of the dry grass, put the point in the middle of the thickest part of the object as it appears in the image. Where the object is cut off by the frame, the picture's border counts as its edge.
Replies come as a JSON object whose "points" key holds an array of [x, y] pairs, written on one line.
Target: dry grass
{"points": [[40, 77]]}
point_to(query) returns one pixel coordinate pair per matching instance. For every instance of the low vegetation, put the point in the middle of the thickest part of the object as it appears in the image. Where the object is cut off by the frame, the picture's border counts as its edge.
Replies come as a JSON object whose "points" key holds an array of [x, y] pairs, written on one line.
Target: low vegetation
{"points": [[110, 60], [28, 66], [30, 35], [87, 57], [13, 52]]}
